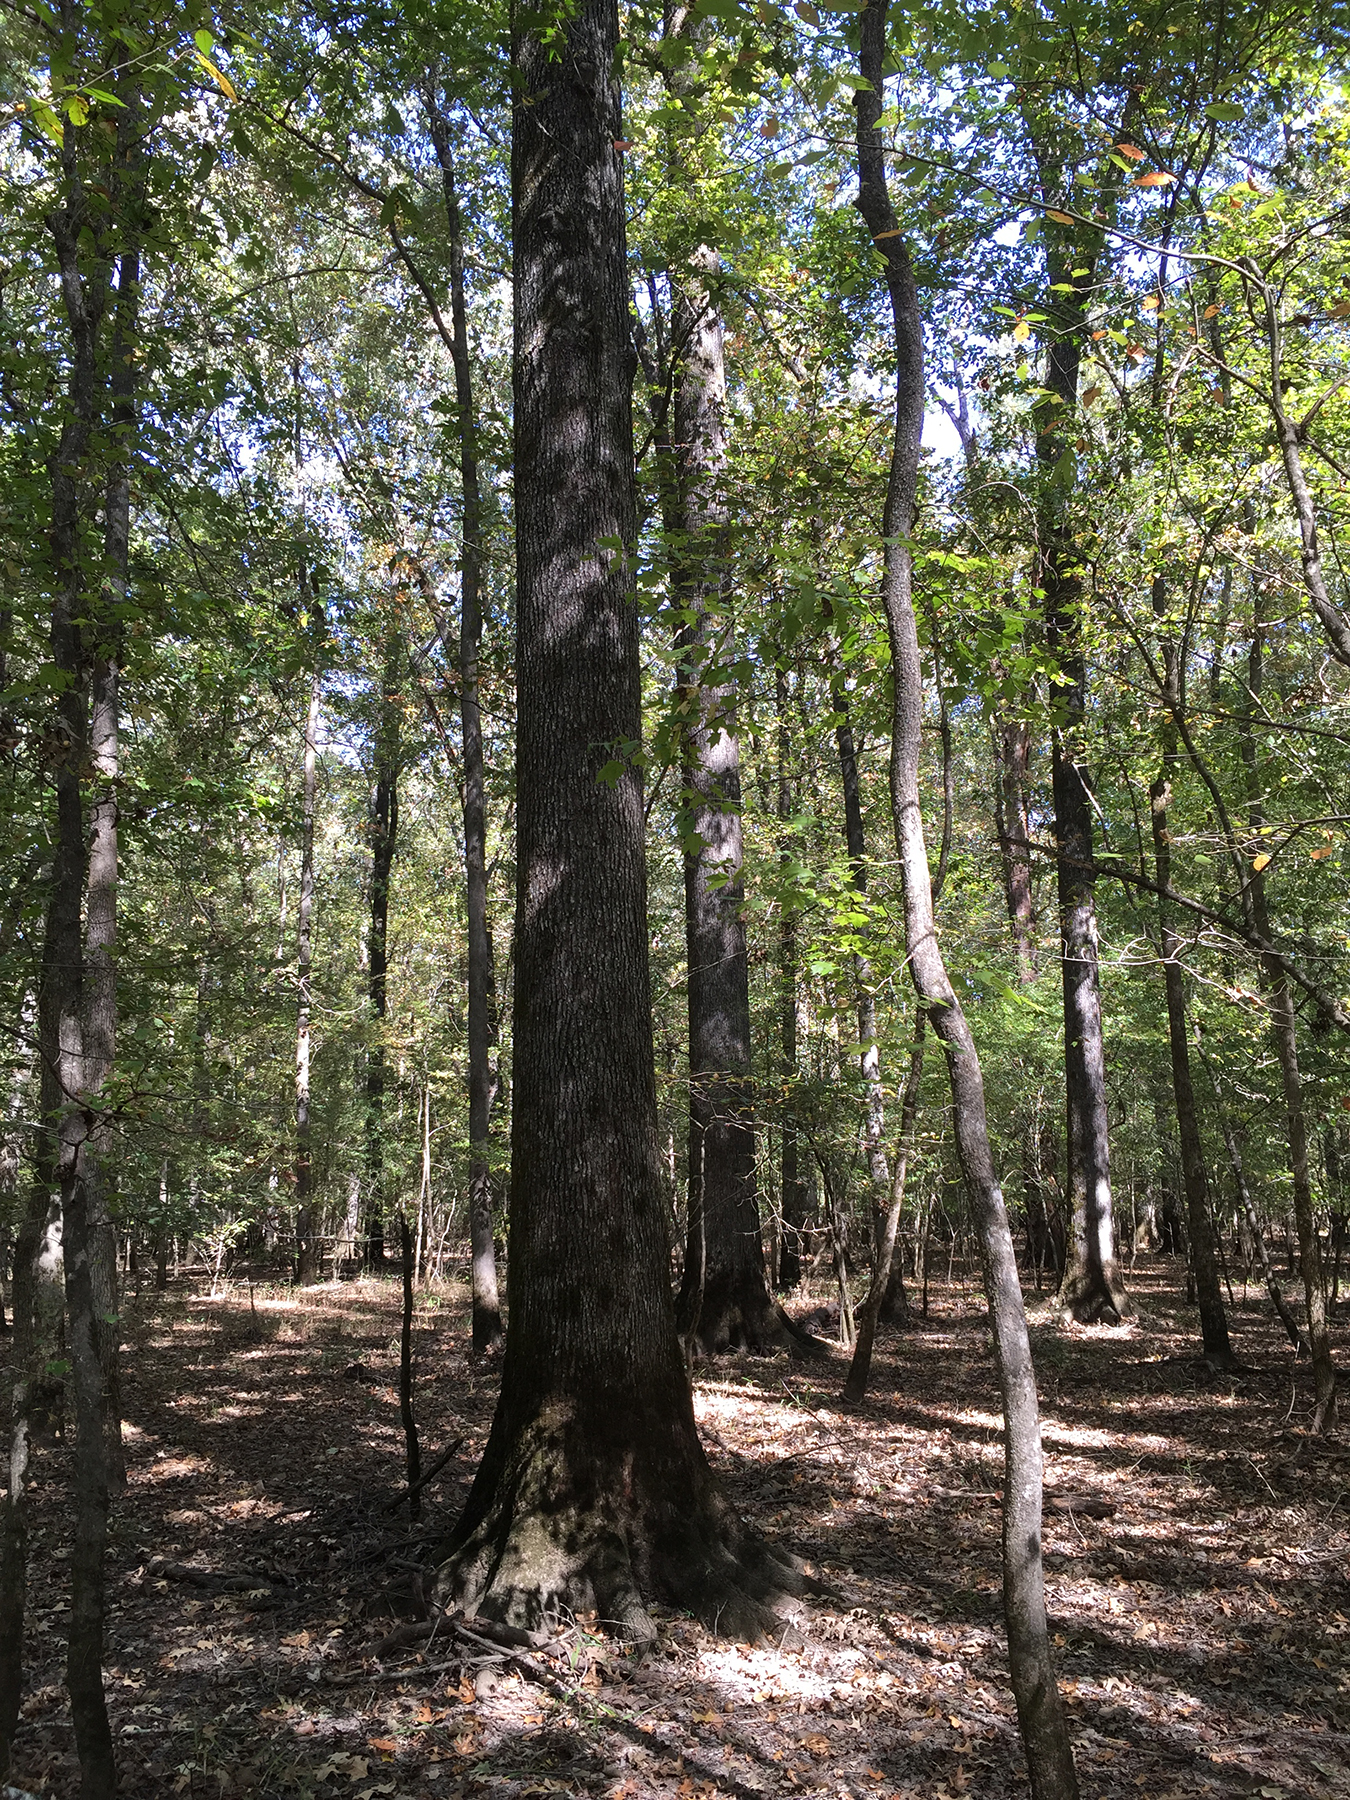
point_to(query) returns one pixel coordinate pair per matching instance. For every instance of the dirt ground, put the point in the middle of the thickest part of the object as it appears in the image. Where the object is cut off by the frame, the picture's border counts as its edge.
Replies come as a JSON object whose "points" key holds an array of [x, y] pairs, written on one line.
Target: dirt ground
{"points": [[1202, 1618]]}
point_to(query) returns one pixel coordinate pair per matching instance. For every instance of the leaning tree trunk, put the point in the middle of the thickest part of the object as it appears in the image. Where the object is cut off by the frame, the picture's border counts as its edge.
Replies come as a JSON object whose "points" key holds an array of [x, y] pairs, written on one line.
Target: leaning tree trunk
{"points": [[1039, 1708], [1204, 1258], [593, 1492], [487, 1317]]}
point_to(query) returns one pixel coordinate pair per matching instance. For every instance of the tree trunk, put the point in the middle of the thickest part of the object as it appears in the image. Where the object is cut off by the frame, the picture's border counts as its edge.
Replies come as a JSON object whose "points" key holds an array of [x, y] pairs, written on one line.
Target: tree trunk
{"points": [[81, 1032], [384, 847], [792, 1203], [1091, 1289], [593, 1491], [1213, 1320], [1284, 1031], [724, 1300], [886, 1265], [1255, 1226], [1039, 1708], [1013, 740], [307, 1249], [487, 1318]]}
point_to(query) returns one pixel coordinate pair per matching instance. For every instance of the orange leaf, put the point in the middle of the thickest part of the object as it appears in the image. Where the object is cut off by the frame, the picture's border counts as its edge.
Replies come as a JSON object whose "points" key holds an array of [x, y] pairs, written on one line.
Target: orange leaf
{"points": [[389, 1744], [1212, 311], [1133, 151], [1321, 854], [1154, 178], [1260, 862], [1059, 218]]}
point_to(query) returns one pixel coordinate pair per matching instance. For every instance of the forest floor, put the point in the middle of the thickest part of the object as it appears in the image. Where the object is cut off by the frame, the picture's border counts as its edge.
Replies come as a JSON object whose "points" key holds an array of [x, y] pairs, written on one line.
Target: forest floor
{"points": [[1201, 1607]]}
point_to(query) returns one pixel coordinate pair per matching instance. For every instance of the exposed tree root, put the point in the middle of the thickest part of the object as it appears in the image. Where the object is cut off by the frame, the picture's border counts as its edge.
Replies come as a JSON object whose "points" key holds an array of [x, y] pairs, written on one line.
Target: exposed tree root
{"points": [[568, 1527]]}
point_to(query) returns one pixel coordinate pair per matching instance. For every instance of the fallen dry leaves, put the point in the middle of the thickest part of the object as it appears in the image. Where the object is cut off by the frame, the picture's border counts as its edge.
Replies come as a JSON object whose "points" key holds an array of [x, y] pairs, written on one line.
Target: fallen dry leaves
{"points": [[1200, 1605]]}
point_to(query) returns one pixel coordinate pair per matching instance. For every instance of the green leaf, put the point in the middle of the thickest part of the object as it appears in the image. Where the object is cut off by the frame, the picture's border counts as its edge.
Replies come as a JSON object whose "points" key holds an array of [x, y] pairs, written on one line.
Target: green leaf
{"points": [[204, 42], [1224, 110], [77, 109]]}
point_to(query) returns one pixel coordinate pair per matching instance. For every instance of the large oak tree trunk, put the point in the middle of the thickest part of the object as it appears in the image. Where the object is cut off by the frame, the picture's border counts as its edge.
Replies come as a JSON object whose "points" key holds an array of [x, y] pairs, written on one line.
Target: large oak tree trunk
{"points": [[593, 1491], [1040, 1710]]}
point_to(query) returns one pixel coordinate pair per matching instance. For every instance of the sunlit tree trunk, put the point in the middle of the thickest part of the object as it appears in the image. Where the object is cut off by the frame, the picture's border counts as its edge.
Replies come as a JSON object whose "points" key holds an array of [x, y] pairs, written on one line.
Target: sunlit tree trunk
{"points": [[1039, 1707], [593, 1492]]}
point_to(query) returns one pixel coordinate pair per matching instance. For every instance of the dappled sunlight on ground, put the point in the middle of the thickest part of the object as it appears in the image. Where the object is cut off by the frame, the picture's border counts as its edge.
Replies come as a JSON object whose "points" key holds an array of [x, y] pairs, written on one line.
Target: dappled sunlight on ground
{"points": [[1200, 1604]]}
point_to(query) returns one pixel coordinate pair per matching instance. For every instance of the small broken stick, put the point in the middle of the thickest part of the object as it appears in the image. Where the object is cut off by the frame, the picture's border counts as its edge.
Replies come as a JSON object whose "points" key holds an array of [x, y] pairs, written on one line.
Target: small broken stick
{"points": [[1090, 1505]]}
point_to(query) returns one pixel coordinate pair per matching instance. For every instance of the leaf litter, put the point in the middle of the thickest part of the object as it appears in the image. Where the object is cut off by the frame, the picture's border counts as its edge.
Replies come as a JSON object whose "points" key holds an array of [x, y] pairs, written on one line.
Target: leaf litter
{"points": [[1196, 1541]]}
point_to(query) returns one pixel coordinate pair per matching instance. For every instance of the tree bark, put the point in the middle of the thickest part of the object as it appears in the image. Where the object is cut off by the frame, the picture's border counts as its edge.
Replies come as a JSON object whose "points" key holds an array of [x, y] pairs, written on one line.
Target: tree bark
{"points": [[724, 1300], [593, 1492], [1039, 1708], [1284, 1031], [1012, 738], [307, 1249], [792, 1204], [1213, 1320], [383, 847], [487, 1319]]}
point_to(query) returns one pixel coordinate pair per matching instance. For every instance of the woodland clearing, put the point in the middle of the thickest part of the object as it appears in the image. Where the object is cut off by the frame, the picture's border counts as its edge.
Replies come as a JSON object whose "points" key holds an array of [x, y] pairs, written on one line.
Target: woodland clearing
{"points": [[1196, 1543]]}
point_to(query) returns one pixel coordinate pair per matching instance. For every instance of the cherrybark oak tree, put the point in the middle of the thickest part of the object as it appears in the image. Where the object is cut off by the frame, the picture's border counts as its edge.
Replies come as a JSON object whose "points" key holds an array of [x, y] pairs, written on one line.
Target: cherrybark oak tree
{"points": [[593, 1492], [1040, 1711]]}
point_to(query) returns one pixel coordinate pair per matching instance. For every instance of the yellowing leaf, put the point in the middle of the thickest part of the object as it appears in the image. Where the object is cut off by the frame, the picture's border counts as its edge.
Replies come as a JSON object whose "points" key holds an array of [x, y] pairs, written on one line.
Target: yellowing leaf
{"points": [[1133, 151], [895, 232], [1059, 218], [1213, 311], [77, 109], [223, 82], [1150, 303], [47, 122], [1154, 178], [1321, 854], [1260, 862], [1021, 331]]}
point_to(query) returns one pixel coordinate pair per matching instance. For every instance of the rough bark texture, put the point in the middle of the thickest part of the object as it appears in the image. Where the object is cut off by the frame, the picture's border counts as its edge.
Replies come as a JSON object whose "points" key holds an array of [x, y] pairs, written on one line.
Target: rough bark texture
{"points": [[487, 1318], [593, 1491], [1039, 1707], [1204, 1256]]}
